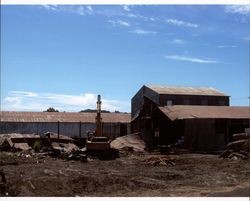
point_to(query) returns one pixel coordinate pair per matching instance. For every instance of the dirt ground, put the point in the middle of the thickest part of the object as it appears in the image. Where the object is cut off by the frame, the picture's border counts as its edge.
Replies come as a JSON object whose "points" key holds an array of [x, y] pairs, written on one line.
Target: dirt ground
{"points": [[192, 175]]}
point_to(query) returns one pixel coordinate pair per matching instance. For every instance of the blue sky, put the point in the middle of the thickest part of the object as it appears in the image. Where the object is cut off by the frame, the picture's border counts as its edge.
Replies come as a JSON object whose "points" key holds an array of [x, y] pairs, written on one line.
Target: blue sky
{"points": [[63, 56]]}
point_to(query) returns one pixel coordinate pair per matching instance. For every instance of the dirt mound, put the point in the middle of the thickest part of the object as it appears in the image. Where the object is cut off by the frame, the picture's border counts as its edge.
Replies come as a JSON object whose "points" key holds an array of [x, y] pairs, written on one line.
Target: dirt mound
{"points": [[131, 142]]}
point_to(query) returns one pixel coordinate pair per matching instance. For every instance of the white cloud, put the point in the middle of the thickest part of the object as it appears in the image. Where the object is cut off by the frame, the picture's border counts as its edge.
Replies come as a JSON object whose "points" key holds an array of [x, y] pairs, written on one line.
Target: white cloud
{"points": [[89, 8], [25, 93], [181, 23], [240, 9], [119, 22], [126, 8], [30, 101], [50, 7], [226, 46], [79, 9], [144, 32], [178, 41], [191, 59], [83, 10], [141, 17], [132, 15]]}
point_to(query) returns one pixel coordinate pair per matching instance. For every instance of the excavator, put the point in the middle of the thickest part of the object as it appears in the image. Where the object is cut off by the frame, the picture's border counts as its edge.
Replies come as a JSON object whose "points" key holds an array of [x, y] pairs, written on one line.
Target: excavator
{"points": [[97, 143]]}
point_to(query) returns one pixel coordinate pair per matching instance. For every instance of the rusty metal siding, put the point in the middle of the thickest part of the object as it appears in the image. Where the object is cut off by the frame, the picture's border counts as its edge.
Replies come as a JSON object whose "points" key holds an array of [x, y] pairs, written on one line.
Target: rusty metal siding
{"points": [[152, 95], [137, 102], [27, 128], [202, 135], [194, 100], [68, 129]]}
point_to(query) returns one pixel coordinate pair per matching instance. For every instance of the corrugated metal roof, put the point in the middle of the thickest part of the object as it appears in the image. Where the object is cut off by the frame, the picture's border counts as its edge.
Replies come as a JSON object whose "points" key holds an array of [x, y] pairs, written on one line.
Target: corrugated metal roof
{"points": [[62, 117], [206, 91], [205, 112]]}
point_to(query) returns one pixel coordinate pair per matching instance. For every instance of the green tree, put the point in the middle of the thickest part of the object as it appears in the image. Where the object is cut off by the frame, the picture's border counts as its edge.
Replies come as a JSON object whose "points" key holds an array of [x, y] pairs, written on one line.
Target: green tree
{"points": [[51, 109]]}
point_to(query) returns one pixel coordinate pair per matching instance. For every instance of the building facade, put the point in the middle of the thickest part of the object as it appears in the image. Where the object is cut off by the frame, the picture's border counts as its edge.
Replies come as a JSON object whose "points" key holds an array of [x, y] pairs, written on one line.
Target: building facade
{"points": [[67, 123]]}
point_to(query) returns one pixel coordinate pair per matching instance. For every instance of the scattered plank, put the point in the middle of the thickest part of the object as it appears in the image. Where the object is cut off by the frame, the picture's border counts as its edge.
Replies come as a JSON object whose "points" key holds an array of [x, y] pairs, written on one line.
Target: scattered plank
{"points": [[157, 160]]}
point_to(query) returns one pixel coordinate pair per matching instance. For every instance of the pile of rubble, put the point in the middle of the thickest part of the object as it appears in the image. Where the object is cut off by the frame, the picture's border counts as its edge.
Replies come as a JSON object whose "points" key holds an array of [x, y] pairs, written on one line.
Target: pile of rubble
{"points": [[52, 144], [17, 142], [239, 148], [157, 160]]}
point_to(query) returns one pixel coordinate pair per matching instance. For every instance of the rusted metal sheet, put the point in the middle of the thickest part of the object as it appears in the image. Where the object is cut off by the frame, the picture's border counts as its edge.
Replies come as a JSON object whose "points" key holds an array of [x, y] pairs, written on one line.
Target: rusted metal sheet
{"points": [[71, 117], [208, 91], [205, 112]]}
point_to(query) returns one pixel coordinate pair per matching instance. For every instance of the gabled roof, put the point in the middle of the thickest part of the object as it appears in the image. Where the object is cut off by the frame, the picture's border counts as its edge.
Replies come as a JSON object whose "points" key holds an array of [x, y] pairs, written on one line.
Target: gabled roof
{"points": [[63, 117], [178, 112], [206, 91]]}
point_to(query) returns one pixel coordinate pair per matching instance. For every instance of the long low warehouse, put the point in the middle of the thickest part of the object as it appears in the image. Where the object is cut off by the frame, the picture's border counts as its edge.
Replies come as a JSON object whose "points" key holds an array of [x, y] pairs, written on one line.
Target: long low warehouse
{"points": [[66, 123]]}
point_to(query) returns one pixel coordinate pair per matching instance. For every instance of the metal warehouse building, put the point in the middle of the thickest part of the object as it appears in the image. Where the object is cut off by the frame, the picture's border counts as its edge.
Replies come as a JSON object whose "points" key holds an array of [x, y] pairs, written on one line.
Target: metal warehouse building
{"points": [[201, 116], [66, 123]]}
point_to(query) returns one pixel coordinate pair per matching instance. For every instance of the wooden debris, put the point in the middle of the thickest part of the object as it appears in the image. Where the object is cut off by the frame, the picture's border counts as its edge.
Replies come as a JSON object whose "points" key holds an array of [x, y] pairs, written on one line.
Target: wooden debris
{"points": [[226, 153], [237, 156], [157, 160], [241, 136], [239, 145], [31, 185], [239, 149]]}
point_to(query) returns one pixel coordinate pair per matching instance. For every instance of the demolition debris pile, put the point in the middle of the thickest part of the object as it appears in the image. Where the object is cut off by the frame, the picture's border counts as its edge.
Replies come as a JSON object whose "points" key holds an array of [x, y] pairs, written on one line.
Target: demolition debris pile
{"points": [[239, 148], [51, 144]]}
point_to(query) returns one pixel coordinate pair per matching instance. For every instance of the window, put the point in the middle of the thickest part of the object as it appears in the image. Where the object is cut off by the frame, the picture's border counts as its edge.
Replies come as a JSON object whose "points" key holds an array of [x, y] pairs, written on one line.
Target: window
{"points": [[169, 102]]}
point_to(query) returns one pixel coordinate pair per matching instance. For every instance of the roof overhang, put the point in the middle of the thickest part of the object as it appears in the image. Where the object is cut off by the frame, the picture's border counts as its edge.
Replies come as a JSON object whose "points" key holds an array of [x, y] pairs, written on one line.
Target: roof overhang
{"points": [[179, 112]]}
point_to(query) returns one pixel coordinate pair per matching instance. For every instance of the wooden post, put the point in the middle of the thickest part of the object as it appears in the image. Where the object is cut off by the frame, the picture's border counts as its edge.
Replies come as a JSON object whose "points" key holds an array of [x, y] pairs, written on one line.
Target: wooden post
{"points": [[58, 129], [80, 129]]}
